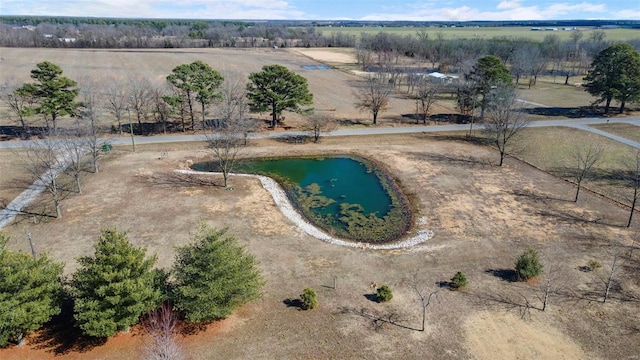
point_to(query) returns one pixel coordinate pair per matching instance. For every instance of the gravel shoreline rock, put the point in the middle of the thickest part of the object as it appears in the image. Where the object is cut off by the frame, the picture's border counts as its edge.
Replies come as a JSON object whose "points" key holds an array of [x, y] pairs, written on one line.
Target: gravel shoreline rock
{"points": [[283, 203]]}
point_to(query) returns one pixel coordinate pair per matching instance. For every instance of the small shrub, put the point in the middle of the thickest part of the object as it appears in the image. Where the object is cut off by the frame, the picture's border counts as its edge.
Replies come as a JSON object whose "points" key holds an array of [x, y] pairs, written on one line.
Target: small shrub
{"points": [[594, 264], [528, 266], [384, 294], [459, 280], [309, 299]]}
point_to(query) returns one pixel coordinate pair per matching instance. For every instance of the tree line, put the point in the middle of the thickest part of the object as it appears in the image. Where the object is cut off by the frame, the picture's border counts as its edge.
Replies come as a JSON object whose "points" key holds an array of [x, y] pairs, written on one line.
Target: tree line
{"points": [[166, 34], [115, 288]]}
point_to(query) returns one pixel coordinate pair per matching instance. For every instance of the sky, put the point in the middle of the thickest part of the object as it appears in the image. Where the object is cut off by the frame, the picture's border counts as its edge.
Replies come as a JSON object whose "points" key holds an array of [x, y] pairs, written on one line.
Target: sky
{"points": [[380, 10]]}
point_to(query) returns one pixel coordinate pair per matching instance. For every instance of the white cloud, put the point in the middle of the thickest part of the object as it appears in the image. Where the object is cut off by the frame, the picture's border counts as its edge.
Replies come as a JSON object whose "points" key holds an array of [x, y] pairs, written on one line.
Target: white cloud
{"points": [[505, 10], [627, 14], [196, 9], [509, 4]]}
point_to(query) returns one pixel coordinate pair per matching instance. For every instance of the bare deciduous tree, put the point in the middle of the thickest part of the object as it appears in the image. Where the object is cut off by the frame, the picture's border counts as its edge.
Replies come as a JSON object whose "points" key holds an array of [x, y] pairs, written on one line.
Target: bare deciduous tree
{"points": [[584, 158], [632, 177], [20, 105], [315, 124], [550, 285], [226, 140], [504, 120], [610, 276], [117, 100], [139, 97], [73, 147], [427, 93], [364, 58], [425, 297], [90, 130], [373, 95], [44, 161], [162, 327], [161, 110]]}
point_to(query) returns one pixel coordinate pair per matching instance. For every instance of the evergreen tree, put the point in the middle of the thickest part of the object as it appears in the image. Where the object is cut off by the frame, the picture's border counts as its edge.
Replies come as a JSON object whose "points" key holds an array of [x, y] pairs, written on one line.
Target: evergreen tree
{"points": [[30, 292], [459, 280], [615, 74], [487, 74], [528, 266], [196, 82], [309, 299], [113, 287], [384, 294], [214, 276], [52, 92], [277, 89]]}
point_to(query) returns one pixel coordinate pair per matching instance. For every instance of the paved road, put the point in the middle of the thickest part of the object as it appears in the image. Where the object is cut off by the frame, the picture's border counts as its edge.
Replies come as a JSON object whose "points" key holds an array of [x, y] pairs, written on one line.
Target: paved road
{"points": [[15, 207], [582, 124]]}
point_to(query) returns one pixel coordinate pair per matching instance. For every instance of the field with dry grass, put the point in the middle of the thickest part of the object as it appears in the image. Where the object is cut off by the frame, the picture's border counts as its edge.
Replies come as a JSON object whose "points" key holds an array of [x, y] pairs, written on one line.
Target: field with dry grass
{"points": [[483, 217], [334, 90], [553, 150]]}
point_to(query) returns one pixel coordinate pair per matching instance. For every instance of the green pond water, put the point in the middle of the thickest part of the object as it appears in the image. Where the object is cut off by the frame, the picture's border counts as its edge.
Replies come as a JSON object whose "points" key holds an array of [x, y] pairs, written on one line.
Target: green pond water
{"points": [[344, 196]]}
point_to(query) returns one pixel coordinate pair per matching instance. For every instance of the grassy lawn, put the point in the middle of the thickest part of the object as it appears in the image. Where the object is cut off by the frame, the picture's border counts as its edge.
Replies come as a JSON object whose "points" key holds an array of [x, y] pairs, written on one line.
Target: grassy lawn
{"points": [[627, 131], [551, 149], [555, 94], [482, 32], [12, 171]]}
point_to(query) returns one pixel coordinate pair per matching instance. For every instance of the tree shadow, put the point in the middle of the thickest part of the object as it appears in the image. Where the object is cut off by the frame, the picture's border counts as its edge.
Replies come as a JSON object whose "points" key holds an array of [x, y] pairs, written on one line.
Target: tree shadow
{"points": [[536, 197], [504, 274], [611, 176], [574, 219], [294, 139], [174, 180], [39, 209], [294, 303], [379, 320], [149, 128], [569, 112], [509, 301], [61, 336], [451, 118], [187, 328], [454, 160], [9, 132], [465, 138], [351, 122], [416, 119], [371, 297]]}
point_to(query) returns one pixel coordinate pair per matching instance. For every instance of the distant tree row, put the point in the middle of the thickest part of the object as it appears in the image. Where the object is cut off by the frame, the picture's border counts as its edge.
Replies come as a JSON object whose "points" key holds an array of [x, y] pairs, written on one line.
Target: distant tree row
{"points": [[166, 34], [524, 57], [113, 288]]}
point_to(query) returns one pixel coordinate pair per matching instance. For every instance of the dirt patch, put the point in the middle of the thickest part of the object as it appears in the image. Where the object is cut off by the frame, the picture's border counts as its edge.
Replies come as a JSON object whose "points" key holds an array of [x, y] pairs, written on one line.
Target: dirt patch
{"points": [[341, 57], [498, 335]]}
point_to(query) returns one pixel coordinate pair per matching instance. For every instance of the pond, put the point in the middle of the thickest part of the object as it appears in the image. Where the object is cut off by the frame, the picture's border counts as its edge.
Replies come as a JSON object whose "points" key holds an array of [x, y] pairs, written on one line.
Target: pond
{"points": [[348, 197]]}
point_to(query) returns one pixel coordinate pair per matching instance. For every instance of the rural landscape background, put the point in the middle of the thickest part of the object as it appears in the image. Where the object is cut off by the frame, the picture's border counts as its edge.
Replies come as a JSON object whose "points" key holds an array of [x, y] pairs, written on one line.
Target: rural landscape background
{"points": [[483, 215]]}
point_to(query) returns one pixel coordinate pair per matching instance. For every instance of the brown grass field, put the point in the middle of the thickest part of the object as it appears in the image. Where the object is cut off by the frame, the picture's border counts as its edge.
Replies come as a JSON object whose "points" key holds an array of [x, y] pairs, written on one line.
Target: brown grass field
{"points": [[483, 217]]}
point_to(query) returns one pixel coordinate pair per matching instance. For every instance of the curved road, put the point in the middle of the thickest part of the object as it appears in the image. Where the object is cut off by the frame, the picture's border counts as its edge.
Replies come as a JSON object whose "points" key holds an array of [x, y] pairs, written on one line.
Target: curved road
{"points": [[15, 207], [582, 124]]}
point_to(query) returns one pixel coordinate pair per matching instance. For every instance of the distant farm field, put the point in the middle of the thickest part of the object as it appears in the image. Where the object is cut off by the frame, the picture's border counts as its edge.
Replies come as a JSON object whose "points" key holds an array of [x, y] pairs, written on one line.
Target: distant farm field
{"points": [[334, 90], [485, 32]]}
